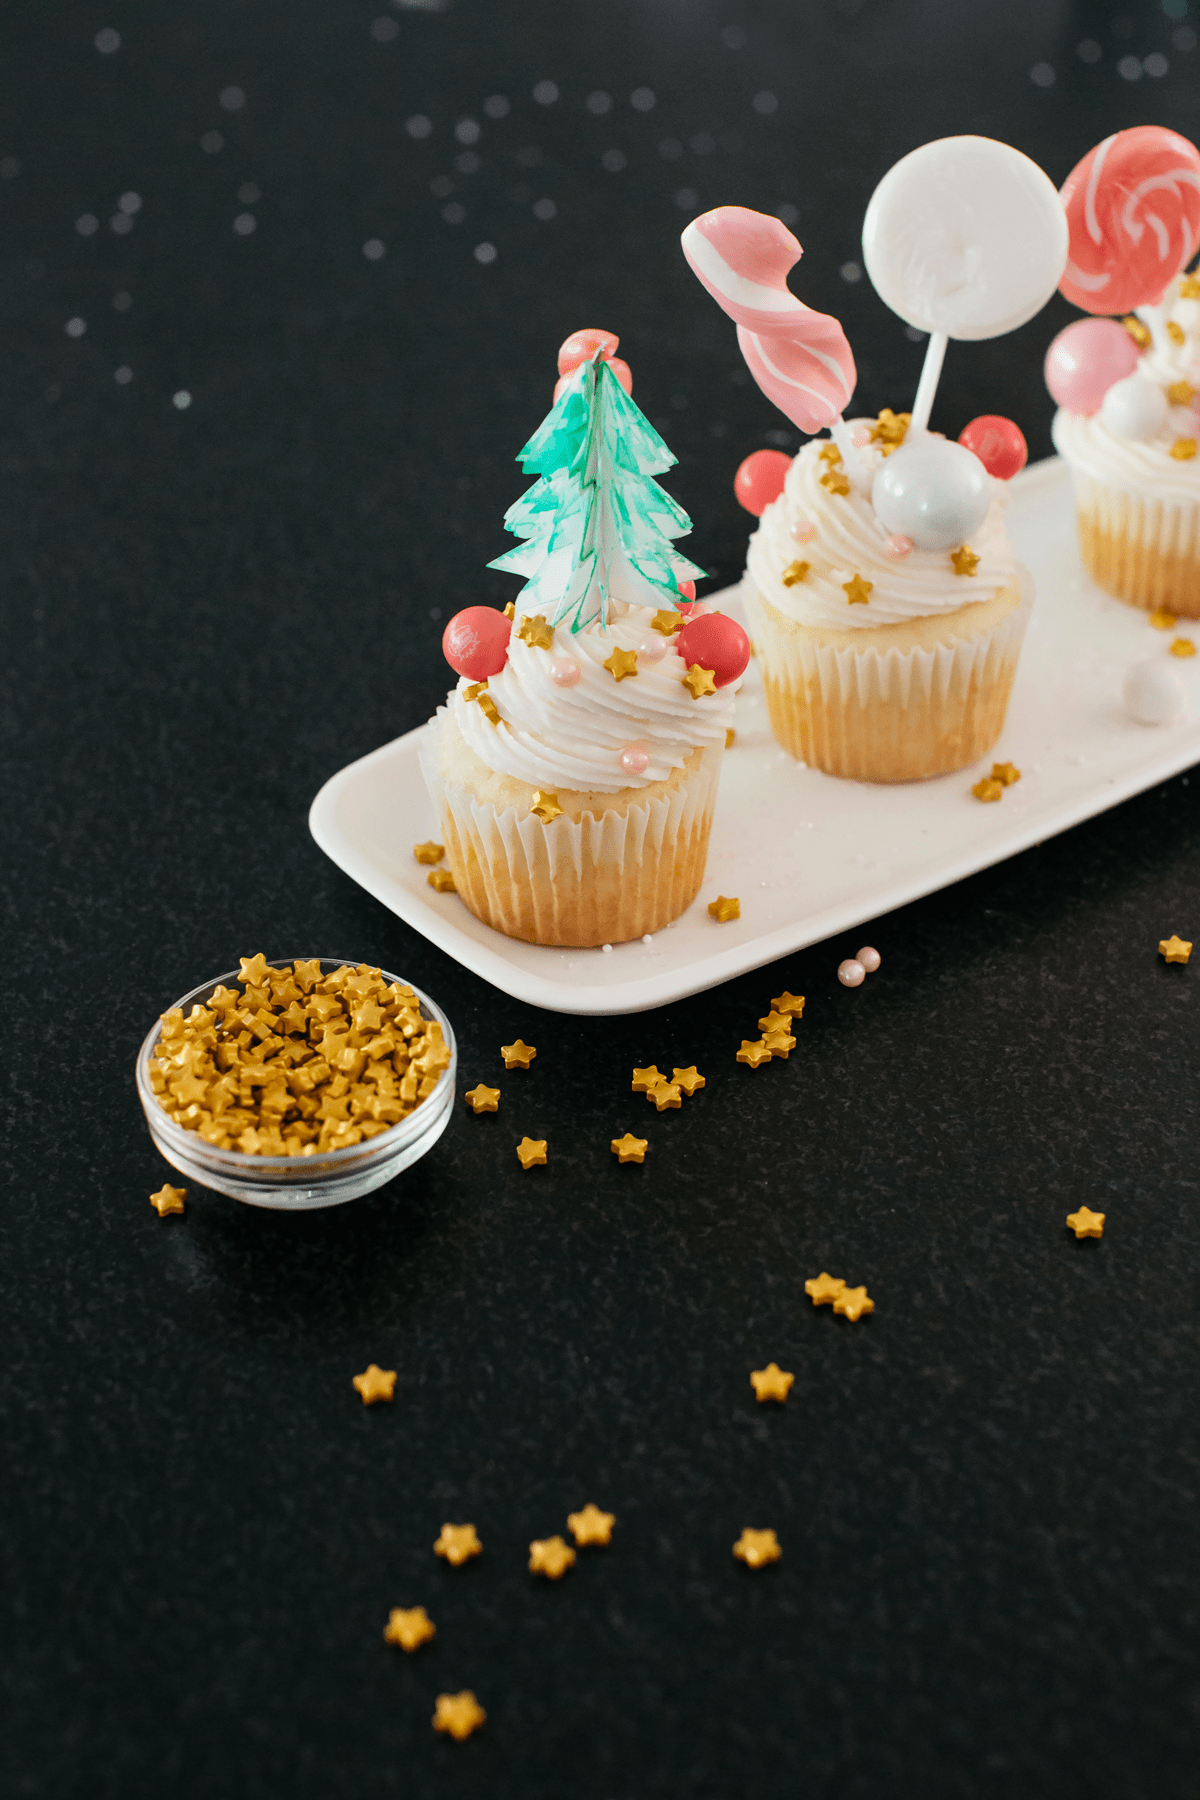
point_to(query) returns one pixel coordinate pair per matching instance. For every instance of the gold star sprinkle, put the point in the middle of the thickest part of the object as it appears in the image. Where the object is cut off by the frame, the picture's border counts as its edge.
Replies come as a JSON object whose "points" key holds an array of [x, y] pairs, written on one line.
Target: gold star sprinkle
{"points": [[1005, 773], [630, 1148], [699, 681], [591, 1526], [829, 453], [1180, 393], [664, 1095], [531, 1151], [409, 1627], [891, 427], [771, 1383], [551, 1557], [857, 591], [1175, 949], [988, 789], [753, 1053], [442, 880], [1137, 331], [1085, 1223], [483, 1099], [688, 1080], [730, 737], [1162, 620], [458, 1714], [518, 1055], [168, 1200], [757, 1548], [644, 1079], [824, 1289], [724, 908], [852, 1303], [668, 621], [621, 664], [253, 969], [510, 611], [1189, 287], [788, 1003], [429, 853], [775, 1021], [457, 1544], [835, 481], [1183, 449], [1175, 332], [794, 573], [779, 1043], [478, 691], [535, 631], [1183, 647], [375, 1384], [965, 560], [545, 805]]}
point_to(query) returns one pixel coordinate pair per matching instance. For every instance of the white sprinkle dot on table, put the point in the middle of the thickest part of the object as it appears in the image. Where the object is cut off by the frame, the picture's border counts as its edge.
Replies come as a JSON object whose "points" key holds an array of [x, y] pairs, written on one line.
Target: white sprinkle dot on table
{"points": [[642, 99], [544, 210], [231, 99], [419, 126], [607, 949], [182, 400], [123, 376], [211, 142], [546, 93], [383, 30], [87, 224], [75, 328], [373, 249], [486, 253], [496, 106], [107, 40], [647, 937], [765, 103]]}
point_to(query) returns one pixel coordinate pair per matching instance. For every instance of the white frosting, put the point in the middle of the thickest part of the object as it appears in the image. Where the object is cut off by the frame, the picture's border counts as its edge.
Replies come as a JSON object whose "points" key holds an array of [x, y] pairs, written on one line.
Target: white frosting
{"points": [[555, 737], [850, 540]]}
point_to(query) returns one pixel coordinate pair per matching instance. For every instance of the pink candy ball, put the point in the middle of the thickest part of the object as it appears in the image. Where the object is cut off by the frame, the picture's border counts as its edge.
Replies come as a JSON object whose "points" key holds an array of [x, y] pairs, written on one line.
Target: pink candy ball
{"points": [[635, 759], [716, 642], [475, 642], [851, 973], [564, 671], [869, 958], [1084, 360], [760, 480]]}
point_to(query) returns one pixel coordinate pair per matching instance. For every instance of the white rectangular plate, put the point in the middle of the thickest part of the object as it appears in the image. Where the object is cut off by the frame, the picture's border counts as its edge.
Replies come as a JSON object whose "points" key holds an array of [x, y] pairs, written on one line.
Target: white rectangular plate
{"points": [[808, 854]]}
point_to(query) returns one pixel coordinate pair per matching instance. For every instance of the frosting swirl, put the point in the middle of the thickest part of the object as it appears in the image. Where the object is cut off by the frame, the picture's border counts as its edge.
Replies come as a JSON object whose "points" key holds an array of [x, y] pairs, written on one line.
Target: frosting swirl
{"points": [[572, 737]]}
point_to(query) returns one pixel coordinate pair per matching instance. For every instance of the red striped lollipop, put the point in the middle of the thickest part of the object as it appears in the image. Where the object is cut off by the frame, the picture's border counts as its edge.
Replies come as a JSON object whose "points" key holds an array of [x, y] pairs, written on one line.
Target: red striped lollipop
{"points": [[1133, 210], [799, 358]]}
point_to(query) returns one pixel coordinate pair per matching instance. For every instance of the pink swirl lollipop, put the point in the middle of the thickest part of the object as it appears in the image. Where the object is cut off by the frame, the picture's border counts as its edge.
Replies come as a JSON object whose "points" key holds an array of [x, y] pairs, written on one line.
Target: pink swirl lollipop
{"points": [[799, 358], [1133, 211]]}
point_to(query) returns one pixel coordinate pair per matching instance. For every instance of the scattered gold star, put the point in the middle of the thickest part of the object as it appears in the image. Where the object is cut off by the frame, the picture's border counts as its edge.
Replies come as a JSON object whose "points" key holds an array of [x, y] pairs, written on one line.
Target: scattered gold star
{"points": [[535, 631], [457, 1544], [724, 908], [375, 1384], [789, 1003], [757, 1548], [1183, 647], [531, 1151], [794, 573], [1085, 1223], [410, 1627], [1005, 773], [545, 806], [852, 1303], [988, 789], [668, 621], [253, 969], [664, 1095], [689, 1080], [1183, 449], [644, 1079], [630, 1148], [857, 591], [621, 664], [824, 1289], [1180, 393], [775, 1021], [458, 1714], [730, 737], [965, 560], [477, 691], [591, 1526], [771, 1383], [429, 853], [753, 1052], [442, 880], [483, 1099], [168, 1200], [699, 681], [779, 1043], [550, 1556], [890, 428], [518, 1055], [510, 611], [1137, 331], [835, 481], [1175, 332], [829, 453], [1175, 949], [1189, 287], [1162, 620]]}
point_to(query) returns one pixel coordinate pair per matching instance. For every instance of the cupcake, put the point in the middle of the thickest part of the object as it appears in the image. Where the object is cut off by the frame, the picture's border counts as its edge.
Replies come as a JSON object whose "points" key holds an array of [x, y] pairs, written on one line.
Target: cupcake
{"points": [[574, 767]]}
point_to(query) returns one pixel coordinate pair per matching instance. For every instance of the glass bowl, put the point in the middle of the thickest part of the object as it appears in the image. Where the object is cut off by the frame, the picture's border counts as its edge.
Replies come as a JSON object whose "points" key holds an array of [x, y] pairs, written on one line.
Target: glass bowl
{"points": [[298, 1183]]}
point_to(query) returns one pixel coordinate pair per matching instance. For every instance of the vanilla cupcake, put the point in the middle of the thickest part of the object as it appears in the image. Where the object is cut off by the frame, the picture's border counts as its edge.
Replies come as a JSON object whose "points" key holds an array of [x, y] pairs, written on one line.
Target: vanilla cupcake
{"points": [[882, 661]]}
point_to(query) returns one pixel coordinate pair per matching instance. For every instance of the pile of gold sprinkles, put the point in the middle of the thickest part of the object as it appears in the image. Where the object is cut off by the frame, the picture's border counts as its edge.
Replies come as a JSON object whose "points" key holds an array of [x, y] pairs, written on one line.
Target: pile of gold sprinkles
{"points": [[292, 1061]]}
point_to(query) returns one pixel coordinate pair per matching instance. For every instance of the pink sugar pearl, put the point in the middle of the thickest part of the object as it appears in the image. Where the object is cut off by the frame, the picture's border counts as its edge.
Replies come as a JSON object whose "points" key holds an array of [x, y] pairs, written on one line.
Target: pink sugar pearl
{"points": [[564, 671], [898, 544], [635, 759], [851, 973], [869, 958], [803, 532], [652, 648]]}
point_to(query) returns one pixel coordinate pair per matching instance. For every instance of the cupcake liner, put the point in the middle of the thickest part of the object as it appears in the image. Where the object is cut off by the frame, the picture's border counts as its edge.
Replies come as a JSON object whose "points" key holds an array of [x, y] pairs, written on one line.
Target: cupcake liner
{"points": [[577, 881], [1144, 551], [885, 715]]}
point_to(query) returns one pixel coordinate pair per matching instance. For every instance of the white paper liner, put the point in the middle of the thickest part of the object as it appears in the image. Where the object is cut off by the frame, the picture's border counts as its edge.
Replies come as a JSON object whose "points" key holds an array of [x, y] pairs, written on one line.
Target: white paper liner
{"points": [[1144, 551]]}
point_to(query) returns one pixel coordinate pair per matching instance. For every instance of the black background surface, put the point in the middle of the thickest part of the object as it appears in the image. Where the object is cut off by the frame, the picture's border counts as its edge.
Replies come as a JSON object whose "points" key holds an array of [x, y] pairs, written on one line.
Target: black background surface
{"points": [[986, 1492]]}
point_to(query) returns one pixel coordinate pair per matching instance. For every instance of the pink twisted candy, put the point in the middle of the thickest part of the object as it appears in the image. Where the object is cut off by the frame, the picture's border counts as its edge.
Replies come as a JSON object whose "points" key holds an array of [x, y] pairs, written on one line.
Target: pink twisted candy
{"points": [[1133, 211], [799, 358]]}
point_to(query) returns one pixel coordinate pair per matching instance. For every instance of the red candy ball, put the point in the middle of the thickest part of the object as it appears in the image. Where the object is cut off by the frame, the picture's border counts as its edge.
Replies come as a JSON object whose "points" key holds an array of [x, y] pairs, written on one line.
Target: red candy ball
{"points": [[582, 344], [687, 589], [998, 443], [621, 370], [475, 642], [760, 480], [716, 642]]}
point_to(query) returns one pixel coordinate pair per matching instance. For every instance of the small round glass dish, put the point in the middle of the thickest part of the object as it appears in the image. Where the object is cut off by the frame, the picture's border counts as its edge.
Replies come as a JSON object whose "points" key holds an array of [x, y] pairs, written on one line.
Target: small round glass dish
{"points": [[299, 1183]]}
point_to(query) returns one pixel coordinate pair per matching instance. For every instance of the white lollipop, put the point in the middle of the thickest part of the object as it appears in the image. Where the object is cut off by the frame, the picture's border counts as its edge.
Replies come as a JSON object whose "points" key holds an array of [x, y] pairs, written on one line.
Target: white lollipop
{"points": [[1152, 692], [1135, 408]]}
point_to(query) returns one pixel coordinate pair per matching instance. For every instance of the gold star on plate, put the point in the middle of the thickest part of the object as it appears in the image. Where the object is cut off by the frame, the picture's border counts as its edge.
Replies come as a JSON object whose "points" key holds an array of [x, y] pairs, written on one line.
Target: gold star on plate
{"points": [[1183, 449], [457, 1544], [591, 1526], [621, 664], [1137, 331], [965, 560], [535, 631], [824, 1289], [170, 1199], [753, 1052], [664, 1095], [1161, 619], [1085, 1223], [688, 1080], [988, 789], [757, 1548], [1183, 647], [429, 853], [771, 1383], [545, 806], [779, 1043], [375, 1384], [835, 481], [794, 573], [442, 880], [409, 1627], [644, 1079], [857, 591], [630, 1148], [668, 621], [699, 681], [551, 1557], [852, 1303], [458, 1714], [483, 1099], [724, 908], [1180, 393], [1005, 773], [1175, 949], [531, 1151], [518, 1055], [789, 1003]]}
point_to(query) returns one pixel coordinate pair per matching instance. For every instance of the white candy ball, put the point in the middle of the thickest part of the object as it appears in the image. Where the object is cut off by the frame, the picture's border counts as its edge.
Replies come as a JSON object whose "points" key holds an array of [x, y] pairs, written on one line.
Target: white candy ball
{"points": [[933, 492], [1135, 408], [1152, 692]]}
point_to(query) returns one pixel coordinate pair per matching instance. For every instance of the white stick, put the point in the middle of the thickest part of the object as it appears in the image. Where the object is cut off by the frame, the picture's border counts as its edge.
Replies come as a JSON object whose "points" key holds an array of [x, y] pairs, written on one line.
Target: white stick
{"points": [[852, 462], [927, 386]]}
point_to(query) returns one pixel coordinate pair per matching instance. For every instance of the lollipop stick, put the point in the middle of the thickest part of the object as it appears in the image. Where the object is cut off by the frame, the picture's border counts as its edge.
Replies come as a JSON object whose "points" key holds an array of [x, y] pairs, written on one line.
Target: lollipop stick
{"points": [[927, 386], [852, 462]]}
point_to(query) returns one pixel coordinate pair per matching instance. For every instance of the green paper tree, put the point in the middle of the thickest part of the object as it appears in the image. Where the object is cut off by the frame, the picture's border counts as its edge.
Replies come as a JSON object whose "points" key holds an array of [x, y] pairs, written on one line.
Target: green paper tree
{"points": [[596, 525]]}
